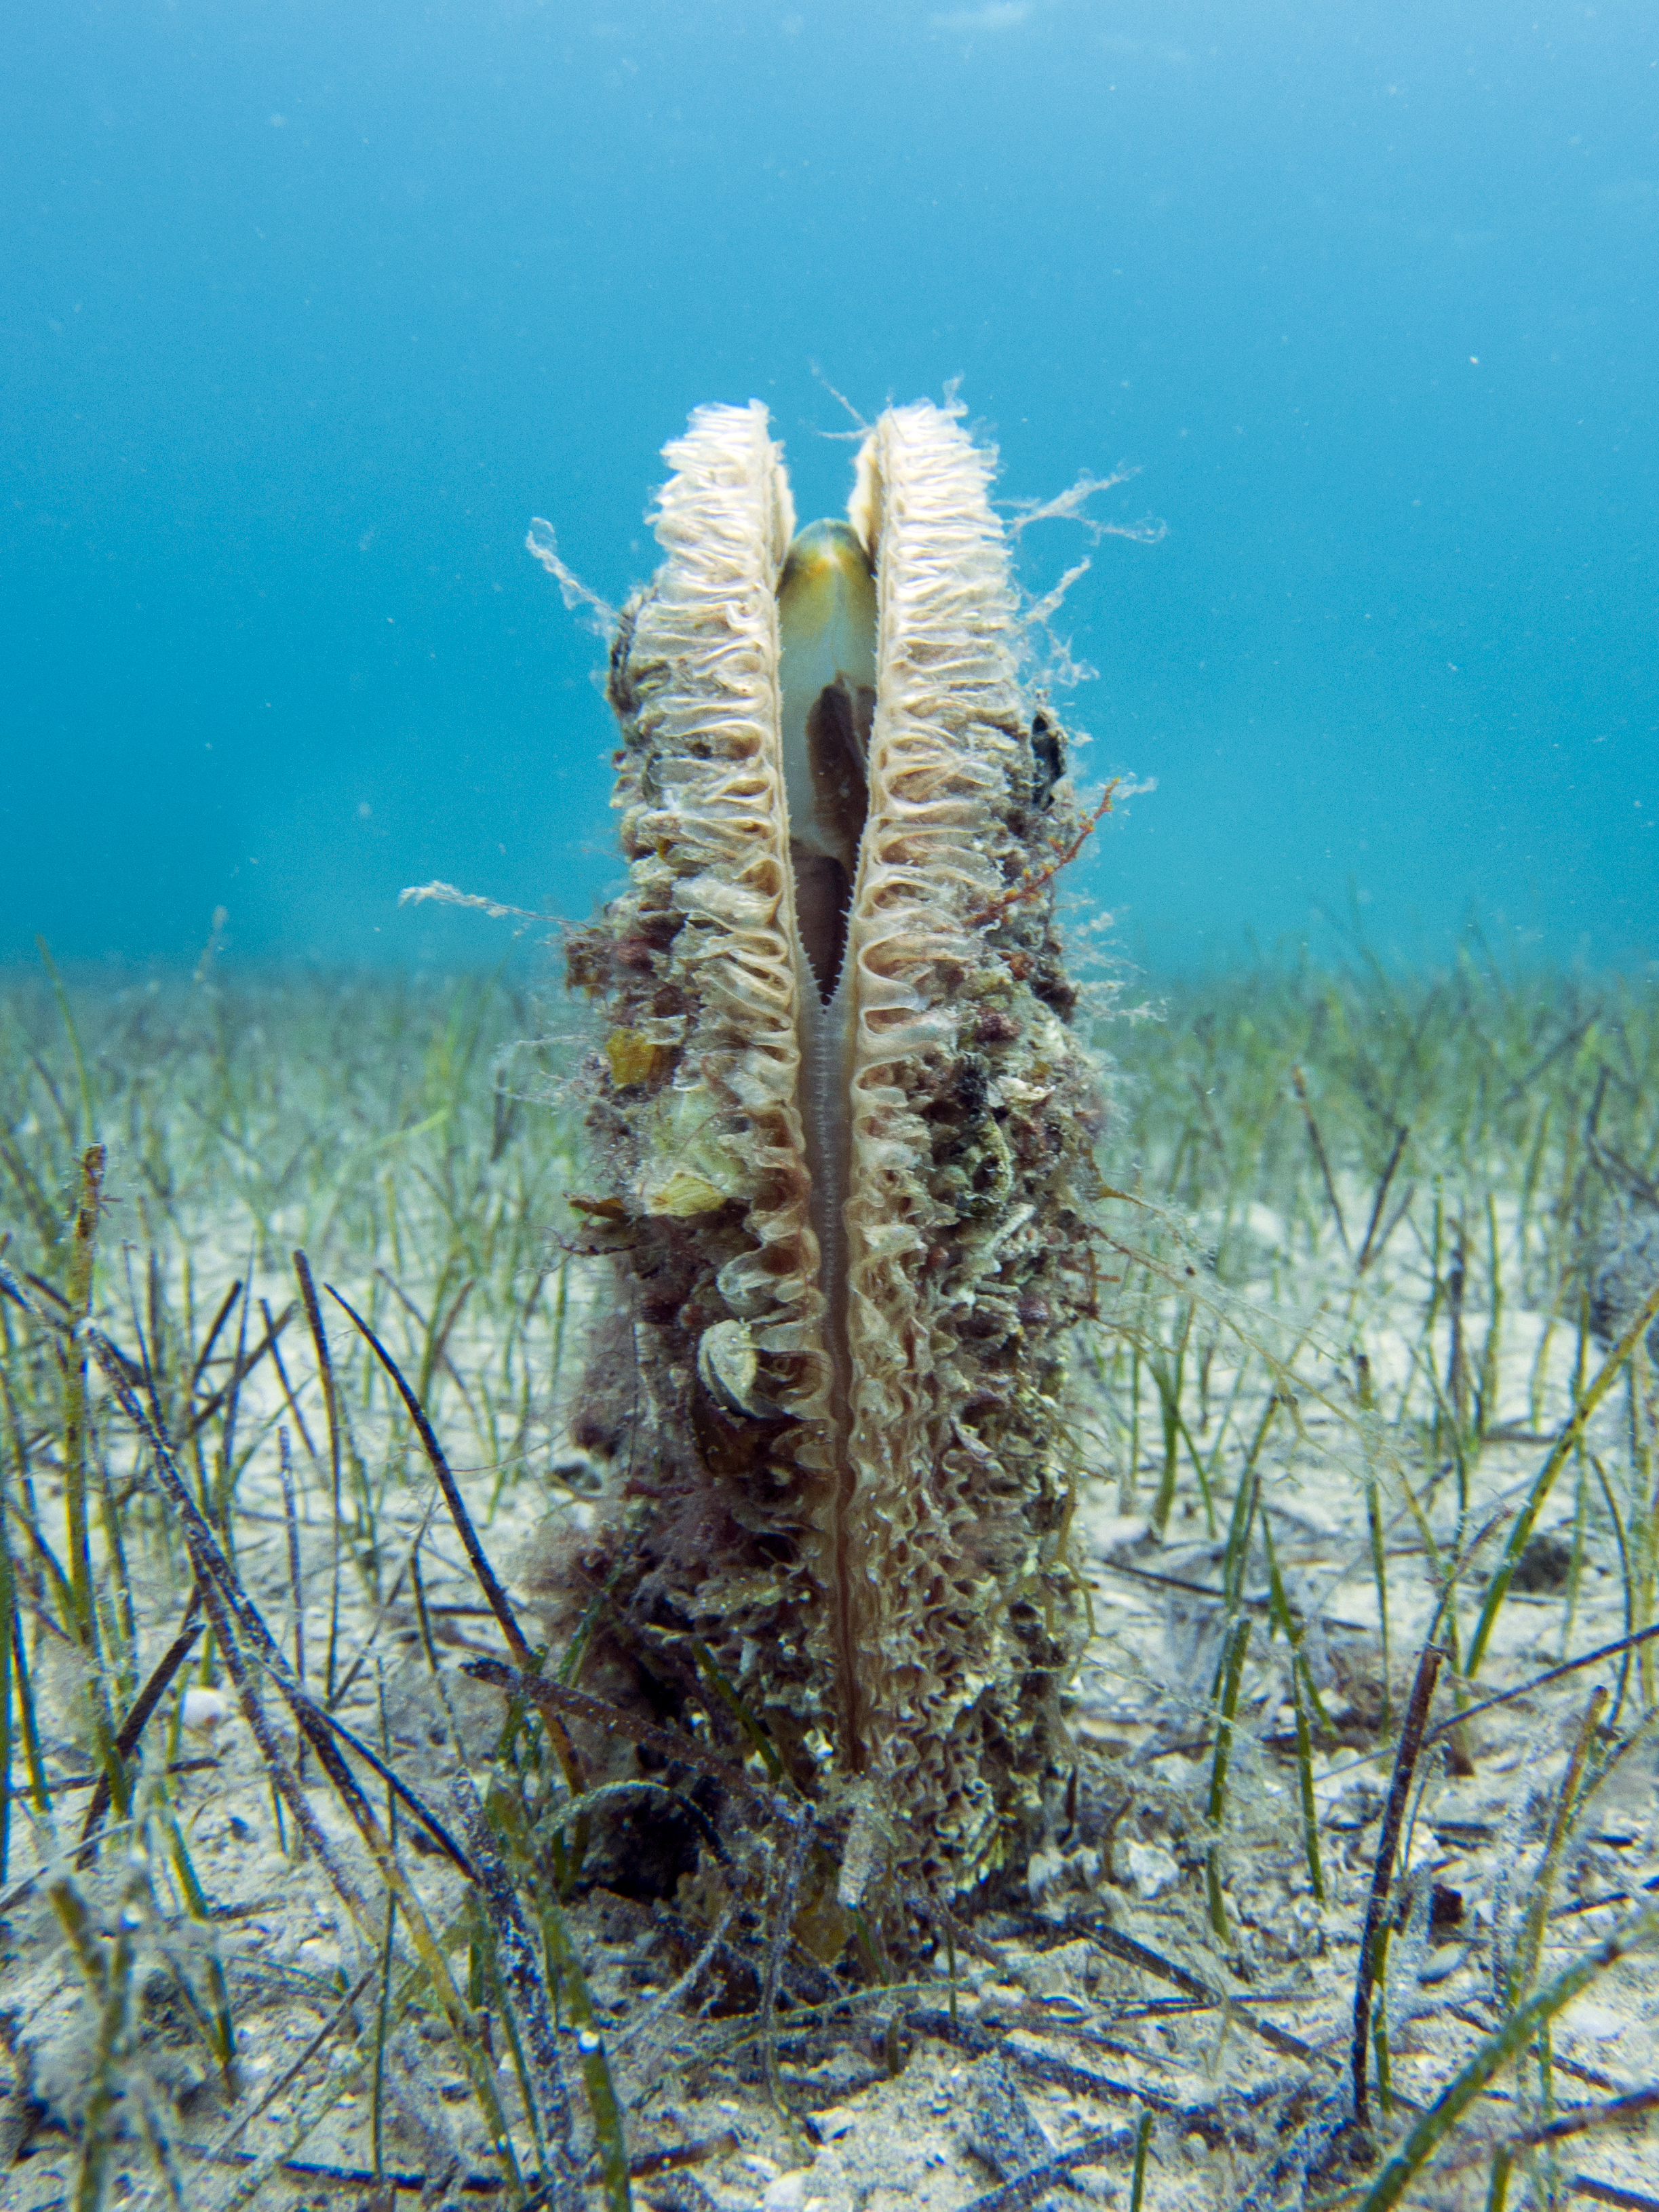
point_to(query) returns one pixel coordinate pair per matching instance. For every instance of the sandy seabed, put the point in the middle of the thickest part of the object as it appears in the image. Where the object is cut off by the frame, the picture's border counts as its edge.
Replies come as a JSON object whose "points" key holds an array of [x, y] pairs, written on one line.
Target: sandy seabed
{"points": [[1293, 1468]]}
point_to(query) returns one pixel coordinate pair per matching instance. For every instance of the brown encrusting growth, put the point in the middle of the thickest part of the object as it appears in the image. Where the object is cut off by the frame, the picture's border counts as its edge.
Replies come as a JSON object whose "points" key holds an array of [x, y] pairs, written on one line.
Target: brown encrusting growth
{"points": [[848, 1211]]}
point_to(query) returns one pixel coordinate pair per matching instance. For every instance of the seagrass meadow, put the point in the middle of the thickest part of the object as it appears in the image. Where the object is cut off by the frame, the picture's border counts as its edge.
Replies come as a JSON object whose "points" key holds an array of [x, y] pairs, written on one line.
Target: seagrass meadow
{"points": [[338, 1869]]}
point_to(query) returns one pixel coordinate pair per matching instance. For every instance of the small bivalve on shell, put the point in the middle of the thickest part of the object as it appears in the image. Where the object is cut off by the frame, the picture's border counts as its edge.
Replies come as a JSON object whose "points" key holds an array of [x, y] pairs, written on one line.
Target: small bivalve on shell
{"points": [[846, 1127]]}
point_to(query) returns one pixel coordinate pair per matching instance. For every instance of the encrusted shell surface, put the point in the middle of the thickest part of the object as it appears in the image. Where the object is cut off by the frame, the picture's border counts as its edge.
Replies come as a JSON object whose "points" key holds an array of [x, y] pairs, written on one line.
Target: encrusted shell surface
{"points": [[853, 1233]]}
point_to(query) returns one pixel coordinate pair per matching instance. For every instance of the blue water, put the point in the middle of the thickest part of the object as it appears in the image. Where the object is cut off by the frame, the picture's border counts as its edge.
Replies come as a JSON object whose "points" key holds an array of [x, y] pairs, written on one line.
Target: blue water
{"points": [[309, 308]]}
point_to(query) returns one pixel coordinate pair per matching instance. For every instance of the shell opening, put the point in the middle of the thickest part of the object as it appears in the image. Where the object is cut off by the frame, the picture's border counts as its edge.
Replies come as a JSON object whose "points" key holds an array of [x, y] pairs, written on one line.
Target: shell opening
{"points": [[827, 632]]}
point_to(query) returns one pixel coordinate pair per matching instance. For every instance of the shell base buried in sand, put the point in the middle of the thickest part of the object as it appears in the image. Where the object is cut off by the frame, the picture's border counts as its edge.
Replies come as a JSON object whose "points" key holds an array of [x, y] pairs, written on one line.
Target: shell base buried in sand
{"points": [[847, 1129]]}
